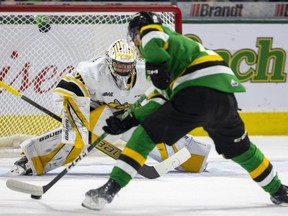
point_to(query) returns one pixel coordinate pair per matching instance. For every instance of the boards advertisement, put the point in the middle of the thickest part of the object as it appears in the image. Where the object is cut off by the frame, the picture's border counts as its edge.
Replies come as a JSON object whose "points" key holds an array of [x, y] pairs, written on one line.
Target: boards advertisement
{"points": [[257, 53]]}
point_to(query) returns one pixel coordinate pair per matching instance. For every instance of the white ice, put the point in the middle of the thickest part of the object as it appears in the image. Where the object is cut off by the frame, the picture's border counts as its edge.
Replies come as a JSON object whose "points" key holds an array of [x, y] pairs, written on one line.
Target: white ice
{"points": [[225, 189]]}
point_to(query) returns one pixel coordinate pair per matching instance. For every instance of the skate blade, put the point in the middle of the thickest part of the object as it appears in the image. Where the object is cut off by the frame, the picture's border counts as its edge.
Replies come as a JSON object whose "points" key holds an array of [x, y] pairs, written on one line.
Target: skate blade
{"points": [[94, 204], [277, 203]]}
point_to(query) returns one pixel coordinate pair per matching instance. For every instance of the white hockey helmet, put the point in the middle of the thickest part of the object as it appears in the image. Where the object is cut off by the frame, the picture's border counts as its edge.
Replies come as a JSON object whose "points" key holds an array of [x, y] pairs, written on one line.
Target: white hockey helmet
{"points": [[121, 58]]}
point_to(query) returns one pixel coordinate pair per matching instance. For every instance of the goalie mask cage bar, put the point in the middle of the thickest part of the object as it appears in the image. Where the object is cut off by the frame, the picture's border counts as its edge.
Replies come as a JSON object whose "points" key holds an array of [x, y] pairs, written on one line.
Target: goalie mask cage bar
{"points": [[34, 58]]}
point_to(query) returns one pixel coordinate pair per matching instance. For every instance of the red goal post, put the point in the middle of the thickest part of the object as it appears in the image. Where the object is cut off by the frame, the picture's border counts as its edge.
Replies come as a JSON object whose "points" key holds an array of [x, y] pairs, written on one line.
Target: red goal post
{"points": [[34, 58]]}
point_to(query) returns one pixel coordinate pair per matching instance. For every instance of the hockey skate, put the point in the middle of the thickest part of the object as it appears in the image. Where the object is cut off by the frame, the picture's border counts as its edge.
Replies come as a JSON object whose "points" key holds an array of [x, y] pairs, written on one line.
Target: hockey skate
{"points": [[281, 196], [96, 199], [20, 167]]}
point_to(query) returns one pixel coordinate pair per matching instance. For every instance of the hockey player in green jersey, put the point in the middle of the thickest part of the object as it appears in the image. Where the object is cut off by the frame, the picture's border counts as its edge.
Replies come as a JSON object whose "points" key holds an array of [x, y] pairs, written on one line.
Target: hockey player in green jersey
{"points": [[199, 89]]}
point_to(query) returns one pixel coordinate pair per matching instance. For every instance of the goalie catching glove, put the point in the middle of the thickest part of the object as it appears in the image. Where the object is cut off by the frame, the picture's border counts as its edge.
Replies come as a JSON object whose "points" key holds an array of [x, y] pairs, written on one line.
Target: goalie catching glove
{"points": [[159, 76], [115, 126]]}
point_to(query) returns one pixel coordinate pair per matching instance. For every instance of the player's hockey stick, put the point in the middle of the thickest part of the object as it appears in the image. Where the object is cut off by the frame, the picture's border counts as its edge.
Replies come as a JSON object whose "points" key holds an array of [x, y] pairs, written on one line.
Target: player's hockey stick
{"points": [[147, 171]]}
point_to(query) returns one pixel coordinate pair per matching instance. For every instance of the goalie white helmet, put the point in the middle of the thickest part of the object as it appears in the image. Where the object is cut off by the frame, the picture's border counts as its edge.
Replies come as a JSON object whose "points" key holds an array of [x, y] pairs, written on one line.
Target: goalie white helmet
{"points": [[121, 58]]}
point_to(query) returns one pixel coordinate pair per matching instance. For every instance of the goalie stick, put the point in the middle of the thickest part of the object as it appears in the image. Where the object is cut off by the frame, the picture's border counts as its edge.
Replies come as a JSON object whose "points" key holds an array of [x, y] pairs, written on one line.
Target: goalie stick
{"points": [[37, 191], [149, 172]]}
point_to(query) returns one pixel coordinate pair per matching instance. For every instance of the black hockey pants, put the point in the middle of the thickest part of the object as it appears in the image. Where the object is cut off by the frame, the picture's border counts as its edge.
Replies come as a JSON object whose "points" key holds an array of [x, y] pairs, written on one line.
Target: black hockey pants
{"points": [[192, 107]]}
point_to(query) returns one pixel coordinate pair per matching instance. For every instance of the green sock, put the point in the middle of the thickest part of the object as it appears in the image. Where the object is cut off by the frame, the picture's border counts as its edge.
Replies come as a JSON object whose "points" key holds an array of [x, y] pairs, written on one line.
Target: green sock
{"points": [[259, 168], [133, 156]]}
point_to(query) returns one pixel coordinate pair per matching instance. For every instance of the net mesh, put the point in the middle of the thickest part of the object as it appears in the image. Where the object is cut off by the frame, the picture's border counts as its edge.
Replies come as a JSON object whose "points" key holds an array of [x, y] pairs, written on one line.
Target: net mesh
{"points": [[35, 57]]}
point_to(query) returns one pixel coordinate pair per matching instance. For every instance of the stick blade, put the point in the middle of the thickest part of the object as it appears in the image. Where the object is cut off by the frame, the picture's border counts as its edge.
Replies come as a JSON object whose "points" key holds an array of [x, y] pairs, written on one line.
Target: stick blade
{"points": [[24, 187], [173, 161], [153, 172]]}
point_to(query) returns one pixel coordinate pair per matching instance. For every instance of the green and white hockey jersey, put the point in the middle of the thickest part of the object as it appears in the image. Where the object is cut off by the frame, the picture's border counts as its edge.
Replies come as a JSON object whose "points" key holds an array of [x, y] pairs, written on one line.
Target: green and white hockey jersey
{"points": [[189, 62]]}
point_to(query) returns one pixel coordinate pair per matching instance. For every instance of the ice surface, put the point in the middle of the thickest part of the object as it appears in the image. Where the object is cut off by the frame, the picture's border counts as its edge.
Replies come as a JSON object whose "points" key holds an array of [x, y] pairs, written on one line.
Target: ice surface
{"points": [[225, 189]]}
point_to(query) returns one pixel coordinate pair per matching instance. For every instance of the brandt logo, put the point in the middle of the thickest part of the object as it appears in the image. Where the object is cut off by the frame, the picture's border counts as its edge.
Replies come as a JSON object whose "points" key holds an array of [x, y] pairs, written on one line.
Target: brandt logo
{"points": [[109, 94], [206, 10]]}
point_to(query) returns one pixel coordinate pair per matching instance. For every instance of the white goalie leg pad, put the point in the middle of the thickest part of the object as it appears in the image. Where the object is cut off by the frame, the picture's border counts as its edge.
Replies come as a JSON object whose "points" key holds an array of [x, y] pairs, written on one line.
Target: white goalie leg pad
{"points": [[98, 120], [75, 121], [46, 152], [199, 153]]}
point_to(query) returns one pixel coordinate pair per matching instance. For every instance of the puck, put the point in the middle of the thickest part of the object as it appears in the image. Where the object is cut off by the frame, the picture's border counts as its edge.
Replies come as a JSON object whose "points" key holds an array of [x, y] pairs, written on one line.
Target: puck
{"points": [[35, 196]]}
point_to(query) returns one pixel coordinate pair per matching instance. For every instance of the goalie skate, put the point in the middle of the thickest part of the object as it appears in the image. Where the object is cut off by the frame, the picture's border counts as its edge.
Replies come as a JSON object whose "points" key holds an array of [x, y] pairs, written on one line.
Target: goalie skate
{"points": [[20, 167], [96, 199]]}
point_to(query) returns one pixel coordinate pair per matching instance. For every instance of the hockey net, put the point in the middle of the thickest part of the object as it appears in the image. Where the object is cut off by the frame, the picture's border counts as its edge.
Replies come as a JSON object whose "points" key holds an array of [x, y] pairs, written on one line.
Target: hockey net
{"points": [[33, 59]]}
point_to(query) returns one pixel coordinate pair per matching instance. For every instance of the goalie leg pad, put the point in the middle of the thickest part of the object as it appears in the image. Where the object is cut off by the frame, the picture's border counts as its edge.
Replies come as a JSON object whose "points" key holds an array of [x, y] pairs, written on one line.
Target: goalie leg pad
{"points": [[199, 153], [45, 152], [97, 121], [75, 121]]}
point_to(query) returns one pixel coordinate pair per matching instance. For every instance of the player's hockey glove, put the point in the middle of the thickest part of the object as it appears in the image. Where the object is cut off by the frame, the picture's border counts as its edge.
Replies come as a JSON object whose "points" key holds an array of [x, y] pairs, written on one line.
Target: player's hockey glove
{"points": [[115, 126], [159, 76]]}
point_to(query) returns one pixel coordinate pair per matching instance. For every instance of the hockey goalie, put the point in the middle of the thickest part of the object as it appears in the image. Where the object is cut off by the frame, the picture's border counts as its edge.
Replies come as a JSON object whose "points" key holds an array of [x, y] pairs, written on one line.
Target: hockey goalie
{"points": [[85, 98]]}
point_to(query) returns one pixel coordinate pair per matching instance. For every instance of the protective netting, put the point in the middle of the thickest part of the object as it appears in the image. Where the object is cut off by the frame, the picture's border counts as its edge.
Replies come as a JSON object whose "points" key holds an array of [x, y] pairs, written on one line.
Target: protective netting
{"points": [[34, 58]]}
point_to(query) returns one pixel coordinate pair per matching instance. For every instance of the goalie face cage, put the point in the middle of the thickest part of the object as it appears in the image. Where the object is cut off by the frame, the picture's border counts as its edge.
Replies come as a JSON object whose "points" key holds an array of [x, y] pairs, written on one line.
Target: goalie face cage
{"points": [[34, 58]]}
